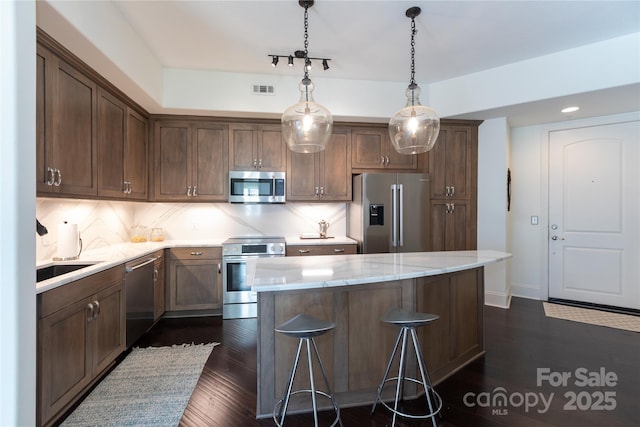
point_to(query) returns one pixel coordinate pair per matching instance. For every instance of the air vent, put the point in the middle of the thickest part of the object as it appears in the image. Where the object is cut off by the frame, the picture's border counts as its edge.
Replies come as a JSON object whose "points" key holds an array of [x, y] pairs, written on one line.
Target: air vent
{"points": [[263, 90]]}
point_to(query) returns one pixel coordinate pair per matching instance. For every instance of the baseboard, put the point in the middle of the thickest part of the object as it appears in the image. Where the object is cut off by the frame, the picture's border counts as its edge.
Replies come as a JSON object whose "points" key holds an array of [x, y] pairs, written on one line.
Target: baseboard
{"points": [[525, 291], [495, 299]]}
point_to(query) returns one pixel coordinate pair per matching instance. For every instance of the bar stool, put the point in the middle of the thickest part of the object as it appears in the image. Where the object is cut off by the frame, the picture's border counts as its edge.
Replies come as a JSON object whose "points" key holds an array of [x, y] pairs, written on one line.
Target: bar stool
{"points": [[305, 328], [408, 322]]}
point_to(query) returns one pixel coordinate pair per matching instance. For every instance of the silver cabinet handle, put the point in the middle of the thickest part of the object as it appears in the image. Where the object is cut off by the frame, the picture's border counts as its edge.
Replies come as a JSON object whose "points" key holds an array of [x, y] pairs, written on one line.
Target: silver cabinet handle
{"points": [[189, 191], [195, 190], [337, 251], [453, 190], [196, 253], [450, 207], [260, 163], [303, 251], [50, 177], [97, 304], [317, 191], [321, 191], [91, 309], [57, 181], [255, 163], [447, 191], [155, 275], [382, 160], [386, 160], [219, 268], [128, 187]]}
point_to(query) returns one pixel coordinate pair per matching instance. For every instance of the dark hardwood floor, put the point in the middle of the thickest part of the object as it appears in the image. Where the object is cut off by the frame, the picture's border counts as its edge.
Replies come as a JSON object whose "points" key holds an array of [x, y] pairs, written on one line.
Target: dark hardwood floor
{"points": [[519, 342]]}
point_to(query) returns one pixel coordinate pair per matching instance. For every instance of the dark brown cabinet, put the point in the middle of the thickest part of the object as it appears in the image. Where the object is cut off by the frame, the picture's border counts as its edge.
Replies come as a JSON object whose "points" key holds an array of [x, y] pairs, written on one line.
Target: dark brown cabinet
{"points": [[257, 147], [191, 161], [122, 149], [66, 104], [458, 299], [311, 249], [81, 331], [372, 150], [194, 279], [453, 170], [323, 176]]}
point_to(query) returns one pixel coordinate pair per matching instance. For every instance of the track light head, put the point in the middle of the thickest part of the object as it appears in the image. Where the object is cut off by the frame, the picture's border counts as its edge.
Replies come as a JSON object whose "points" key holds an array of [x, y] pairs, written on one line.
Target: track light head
{"points": [[325, 64], [290, 63], [274, 61], [307, 64]]}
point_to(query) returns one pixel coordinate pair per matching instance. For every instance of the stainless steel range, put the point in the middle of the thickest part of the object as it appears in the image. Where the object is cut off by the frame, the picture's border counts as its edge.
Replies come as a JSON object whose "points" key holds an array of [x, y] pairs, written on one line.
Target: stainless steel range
{"points": [[238, 301]]}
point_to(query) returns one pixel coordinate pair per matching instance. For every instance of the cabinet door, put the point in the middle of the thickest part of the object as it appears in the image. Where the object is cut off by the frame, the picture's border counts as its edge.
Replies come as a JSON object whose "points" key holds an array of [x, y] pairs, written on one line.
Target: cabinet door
{"points": [[453, 162], [64, 358], [210, 158], [403, 162], [335, 168], [44, 119], [172, 161], [272, 149], [74, 137], [467, 302], [243, 153], [73, 145], [452, 226], [369, 149], [111, 145], [195, 279], [108, 327], [136, 155], [302, 176]]}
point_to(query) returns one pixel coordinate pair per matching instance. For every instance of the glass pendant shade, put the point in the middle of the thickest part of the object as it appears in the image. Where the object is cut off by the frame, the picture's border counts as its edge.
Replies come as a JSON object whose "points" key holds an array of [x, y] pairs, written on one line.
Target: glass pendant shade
{"points": [[415, 128], [306, 125]]}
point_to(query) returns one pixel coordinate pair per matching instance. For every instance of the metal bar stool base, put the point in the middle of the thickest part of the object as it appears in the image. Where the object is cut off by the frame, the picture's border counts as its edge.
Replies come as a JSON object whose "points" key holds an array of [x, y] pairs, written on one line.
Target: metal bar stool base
{"points": [[305, 328], [408, 322]]}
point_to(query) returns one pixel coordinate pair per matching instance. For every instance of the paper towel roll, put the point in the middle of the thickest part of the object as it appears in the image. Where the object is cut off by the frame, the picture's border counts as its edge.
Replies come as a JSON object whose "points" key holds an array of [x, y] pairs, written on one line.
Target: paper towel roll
{"points": [[67, 241]]}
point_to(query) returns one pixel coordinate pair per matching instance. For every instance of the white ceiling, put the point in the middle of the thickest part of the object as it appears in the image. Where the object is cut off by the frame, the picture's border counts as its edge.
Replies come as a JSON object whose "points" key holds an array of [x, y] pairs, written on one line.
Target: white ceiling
{"points": [[369, 40]]}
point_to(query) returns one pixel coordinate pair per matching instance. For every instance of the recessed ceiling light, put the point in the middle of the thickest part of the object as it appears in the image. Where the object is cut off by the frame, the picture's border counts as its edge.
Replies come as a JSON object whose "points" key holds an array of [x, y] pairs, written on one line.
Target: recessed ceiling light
{"points": [[570, 109]]}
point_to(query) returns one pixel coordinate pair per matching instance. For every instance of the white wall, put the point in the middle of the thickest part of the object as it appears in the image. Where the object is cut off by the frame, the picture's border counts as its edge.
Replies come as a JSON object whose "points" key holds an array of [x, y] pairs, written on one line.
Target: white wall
{"points": [[17, 214], [529, 167], [493, 143]]}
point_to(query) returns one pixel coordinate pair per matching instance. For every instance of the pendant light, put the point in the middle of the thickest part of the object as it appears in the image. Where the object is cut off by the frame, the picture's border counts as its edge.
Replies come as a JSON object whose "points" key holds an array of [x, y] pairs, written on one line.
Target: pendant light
{"points": [[414, 129], [306, 125]]}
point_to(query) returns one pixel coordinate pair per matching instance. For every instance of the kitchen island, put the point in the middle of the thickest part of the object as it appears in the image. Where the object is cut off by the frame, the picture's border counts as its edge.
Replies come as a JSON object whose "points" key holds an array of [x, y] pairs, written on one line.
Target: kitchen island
{"points": [[354, 291]]}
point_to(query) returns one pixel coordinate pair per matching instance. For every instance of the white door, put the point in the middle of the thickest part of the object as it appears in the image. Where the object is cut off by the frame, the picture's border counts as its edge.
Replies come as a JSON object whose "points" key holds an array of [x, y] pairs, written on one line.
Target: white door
{"points": [[594, 215]]}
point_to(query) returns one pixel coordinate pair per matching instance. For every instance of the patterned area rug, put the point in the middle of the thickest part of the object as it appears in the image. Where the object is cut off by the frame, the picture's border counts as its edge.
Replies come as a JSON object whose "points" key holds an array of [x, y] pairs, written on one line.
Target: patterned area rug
{"points": [[150, 387], [594, 317]]}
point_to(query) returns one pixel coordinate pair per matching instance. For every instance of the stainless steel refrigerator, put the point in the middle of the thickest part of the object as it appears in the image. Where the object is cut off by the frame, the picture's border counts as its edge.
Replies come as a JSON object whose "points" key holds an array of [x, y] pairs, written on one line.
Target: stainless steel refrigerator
{"points": [[389, 212]]}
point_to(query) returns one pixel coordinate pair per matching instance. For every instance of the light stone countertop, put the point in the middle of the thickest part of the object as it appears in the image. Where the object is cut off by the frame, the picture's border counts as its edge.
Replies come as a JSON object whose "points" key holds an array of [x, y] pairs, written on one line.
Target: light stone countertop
{"points": [[312, 272], [113, 255]]}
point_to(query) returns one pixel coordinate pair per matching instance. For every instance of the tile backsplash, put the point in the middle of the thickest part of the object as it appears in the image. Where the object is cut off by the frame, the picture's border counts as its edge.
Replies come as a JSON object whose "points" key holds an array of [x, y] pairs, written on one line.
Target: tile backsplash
{"points": [[103, 223]]}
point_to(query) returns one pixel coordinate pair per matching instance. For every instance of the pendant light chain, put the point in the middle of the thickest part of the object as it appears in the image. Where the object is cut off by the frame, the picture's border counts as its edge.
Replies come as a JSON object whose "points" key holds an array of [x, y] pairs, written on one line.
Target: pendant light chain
{"points": [[306, 40], [412, 82]]}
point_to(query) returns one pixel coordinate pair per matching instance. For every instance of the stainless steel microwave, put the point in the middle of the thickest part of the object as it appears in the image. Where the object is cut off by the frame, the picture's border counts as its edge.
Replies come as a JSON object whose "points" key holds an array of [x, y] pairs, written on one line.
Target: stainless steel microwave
{"points": [[256, 187]]}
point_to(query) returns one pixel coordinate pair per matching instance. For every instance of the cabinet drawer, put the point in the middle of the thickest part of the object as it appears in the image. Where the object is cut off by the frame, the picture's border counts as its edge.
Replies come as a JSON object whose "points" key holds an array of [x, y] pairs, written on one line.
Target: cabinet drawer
{"points": [[195, 253], [308, 250], [59, 298]]}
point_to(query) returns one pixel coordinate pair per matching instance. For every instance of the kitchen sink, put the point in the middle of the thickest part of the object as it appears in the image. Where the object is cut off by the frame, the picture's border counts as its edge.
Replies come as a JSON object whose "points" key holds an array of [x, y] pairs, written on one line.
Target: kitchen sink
{"points": [[56, 270]]}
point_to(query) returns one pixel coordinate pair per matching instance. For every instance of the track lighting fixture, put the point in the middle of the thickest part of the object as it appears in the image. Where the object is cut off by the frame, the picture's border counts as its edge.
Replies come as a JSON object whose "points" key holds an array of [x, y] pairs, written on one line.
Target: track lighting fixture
{"points": [[306, 125], [299, 54], [414, 129], [275, 60]]}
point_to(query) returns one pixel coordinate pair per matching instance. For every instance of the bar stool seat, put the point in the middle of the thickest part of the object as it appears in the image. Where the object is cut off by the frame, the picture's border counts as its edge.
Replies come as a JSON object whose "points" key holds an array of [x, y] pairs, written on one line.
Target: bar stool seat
{"points": [[408, 321], [305, 328]]}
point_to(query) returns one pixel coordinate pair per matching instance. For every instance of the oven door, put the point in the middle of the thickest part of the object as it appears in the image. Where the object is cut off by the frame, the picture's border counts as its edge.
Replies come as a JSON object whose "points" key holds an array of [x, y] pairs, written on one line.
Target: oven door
{"points": [[234, 280]]}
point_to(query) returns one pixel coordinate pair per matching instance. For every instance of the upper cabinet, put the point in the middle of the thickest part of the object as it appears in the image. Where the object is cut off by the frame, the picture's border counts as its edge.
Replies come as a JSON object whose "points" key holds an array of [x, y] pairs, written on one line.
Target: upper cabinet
{"points": [[66, 154], [90, 141], [257, 147], [122, 149], [191, 160], [323, 176], [372, 151]]}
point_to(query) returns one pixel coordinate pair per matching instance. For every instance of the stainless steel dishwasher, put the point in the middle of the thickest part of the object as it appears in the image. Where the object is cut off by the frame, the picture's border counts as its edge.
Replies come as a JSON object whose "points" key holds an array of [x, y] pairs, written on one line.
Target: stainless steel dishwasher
{"points": [[138, 283]]}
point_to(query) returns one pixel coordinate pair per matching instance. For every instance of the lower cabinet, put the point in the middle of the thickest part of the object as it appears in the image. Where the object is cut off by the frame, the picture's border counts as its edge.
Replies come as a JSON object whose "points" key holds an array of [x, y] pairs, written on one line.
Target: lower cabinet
{"points": [[306, 250], [195, 279], [159, 291], [453, 225], [81, 331], [457, 336]]}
